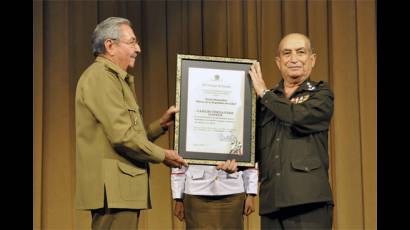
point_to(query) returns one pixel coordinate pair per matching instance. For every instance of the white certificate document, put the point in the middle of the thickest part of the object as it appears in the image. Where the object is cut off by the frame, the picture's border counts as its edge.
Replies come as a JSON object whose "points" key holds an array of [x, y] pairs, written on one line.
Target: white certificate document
{"points": [[215, 111]]}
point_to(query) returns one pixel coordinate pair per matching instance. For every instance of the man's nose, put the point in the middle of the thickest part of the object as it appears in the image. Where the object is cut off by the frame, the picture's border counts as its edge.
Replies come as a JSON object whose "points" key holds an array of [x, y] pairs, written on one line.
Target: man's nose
{"points": [[138, 48], [293, 57]]}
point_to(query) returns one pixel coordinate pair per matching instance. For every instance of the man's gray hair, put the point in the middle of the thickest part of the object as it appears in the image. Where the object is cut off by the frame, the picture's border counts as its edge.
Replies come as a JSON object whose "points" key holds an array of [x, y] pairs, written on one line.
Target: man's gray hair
{"points": [[107, 29]]}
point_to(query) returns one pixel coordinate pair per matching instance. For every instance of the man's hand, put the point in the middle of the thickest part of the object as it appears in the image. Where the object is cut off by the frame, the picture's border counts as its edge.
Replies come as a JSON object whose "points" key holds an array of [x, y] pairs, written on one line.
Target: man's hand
{"points": [[169, 116], [172, 159], [179, 210], [257, 79], [229, 166], [249, 208]]}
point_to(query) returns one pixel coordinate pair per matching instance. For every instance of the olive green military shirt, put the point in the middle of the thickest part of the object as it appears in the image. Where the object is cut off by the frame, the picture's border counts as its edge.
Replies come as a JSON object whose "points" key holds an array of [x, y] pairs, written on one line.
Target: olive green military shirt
{"points": [[292, 146], [113, 147]]}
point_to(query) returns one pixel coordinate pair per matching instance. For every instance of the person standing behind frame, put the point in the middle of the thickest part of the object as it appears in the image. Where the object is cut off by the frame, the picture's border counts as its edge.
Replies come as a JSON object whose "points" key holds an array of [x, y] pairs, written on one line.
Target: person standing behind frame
{"points": [[207, 197]]}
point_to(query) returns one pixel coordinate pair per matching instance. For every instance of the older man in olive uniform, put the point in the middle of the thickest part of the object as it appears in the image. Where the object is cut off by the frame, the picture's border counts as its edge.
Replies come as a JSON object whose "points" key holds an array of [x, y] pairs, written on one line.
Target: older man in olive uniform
{"points": [[112, 145], [292, 141]]}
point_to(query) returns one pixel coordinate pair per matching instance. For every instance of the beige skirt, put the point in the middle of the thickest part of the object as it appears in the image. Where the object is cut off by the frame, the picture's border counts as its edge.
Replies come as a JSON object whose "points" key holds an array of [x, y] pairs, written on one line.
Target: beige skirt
{"points": [[214, 212]]}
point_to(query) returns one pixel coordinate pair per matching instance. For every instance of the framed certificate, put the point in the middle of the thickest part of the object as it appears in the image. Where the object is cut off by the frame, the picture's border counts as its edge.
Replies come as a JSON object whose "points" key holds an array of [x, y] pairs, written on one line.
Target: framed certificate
{"points": [[216, 121]]}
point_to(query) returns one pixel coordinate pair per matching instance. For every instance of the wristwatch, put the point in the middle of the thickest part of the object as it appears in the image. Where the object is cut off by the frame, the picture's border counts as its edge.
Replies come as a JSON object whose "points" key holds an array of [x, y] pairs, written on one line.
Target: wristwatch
{"points": [[264, 92], [164, 127]]}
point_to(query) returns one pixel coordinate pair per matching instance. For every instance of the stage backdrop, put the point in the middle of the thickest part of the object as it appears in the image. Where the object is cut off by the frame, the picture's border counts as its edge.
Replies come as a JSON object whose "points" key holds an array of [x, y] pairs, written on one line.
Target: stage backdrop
{"points": [[343, 33]]}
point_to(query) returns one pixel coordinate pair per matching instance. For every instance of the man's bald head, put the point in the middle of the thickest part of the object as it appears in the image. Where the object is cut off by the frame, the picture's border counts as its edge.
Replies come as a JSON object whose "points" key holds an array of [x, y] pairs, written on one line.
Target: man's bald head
{"points": [[294, 36], [295, 58]]}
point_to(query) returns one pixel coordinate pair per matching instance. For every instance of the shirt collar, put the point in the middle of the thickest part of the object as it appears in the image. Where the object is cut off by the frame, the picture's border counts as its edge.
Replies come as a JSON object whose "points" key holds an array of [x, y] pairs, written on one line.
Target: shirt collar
{"points": [[307, 85], [279, 87], [110, 65]]}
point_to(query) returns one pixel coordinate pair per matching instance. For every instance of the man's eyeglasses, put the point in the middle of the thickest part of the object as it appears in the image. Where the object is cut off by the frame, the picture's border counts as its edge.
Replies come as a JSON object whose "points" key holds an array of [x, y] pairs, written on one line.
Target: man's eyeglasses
{"points": [[132, 43]]}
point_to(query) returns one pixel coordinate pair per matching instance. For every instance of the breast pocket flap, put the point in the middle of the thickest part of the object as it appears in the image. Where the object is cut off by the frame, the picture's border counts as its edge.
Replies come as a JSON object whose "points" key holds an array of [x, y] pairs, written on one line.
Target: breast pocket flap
{"points": [[130, 170], [234, 175], [197, 174], [306, 165]]}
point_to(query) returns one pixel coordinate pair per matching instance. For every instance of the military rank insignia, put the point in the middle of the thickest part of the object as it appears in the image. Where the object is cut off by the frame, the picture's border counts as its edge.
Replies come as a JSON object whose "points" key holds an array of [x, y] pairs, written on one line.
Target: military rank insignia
{"points": [[300, 99], [310, 86]]}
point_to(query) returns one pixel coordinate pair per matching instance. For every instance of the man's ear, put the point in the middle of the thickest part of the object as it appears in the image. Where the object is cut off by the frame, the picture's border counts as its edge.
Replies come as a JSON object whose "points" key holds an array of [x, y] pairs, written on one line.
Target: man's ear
{"points": [[313, 59], [277, 60], [109, 47]]}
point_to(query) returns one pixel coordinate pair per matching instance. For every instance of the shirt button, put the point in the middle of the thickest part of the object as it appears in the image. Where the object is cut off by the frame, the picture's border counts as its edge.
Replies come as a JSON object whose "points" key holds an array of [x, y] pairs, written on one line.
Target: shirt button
{"points": [[276, 156], [306, 169], [277, 174], [277, 139]]}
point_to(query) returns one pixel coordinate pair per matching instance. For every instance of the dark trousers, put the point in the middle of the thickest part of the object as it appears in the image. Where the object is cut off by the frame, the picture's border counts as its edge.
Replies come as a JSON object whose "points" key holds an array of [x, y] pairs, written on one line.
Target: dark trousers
{"points": [[214, 212], [114, 218], [308, 216]]}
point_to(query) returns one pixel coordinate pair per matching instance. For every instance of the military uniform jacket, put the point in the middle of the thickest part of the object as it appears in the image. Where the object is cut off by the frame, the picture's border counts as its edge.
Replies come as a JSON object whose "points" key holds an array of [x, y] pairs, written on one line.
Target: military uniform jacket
{"points": [[292, 146], [113, 147]]}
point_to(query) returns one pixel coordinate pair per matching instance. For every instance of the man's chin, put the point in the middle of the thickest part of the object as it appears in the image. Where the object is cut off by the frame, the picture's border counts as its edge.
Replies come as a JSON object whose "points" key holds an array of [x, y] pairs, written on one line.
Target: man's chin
{"points": [[295, 74], [295, 78]]}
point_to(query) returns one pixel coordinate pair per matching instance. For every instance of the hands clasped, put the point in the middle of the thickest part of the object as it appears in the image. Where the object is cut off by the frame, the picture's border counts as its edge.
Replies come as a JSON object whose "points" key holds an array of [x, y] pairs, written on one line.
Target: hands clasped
{"points": [[229, 166]]}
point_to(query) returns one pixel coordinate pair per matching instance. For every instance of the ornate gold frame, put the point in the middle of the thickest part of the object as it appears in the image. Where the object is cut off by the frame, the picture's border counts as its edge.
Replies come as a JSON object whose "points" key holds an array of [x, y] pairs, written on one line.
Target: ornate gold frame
{"points": [[180, 59]]}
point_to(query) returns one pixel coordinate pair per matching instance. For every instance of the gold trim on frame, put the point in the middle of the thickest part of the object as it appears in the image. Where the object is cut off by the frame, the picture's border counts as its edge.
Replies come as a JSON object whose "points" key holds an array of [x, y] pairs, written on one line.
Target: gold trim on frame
{"points": [[177, 102]]}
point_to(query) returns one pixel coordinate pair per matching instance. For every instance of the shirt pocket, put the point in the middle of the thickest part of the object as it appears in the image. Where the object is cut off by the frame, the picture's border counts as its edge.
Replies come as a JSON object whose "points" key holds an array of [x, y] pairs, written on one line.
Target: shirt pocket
{"points": [[130, 170], [132, 180], [306, 165], [234, 175], [197, 174]]}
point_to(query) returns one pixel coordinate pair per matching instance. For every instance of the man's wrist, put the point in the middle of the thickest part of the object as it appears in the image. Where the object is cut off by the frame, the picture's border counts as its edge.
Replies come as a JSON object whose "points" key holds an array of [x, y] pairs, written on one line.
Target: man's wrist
{"points": [[264, 92]]}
